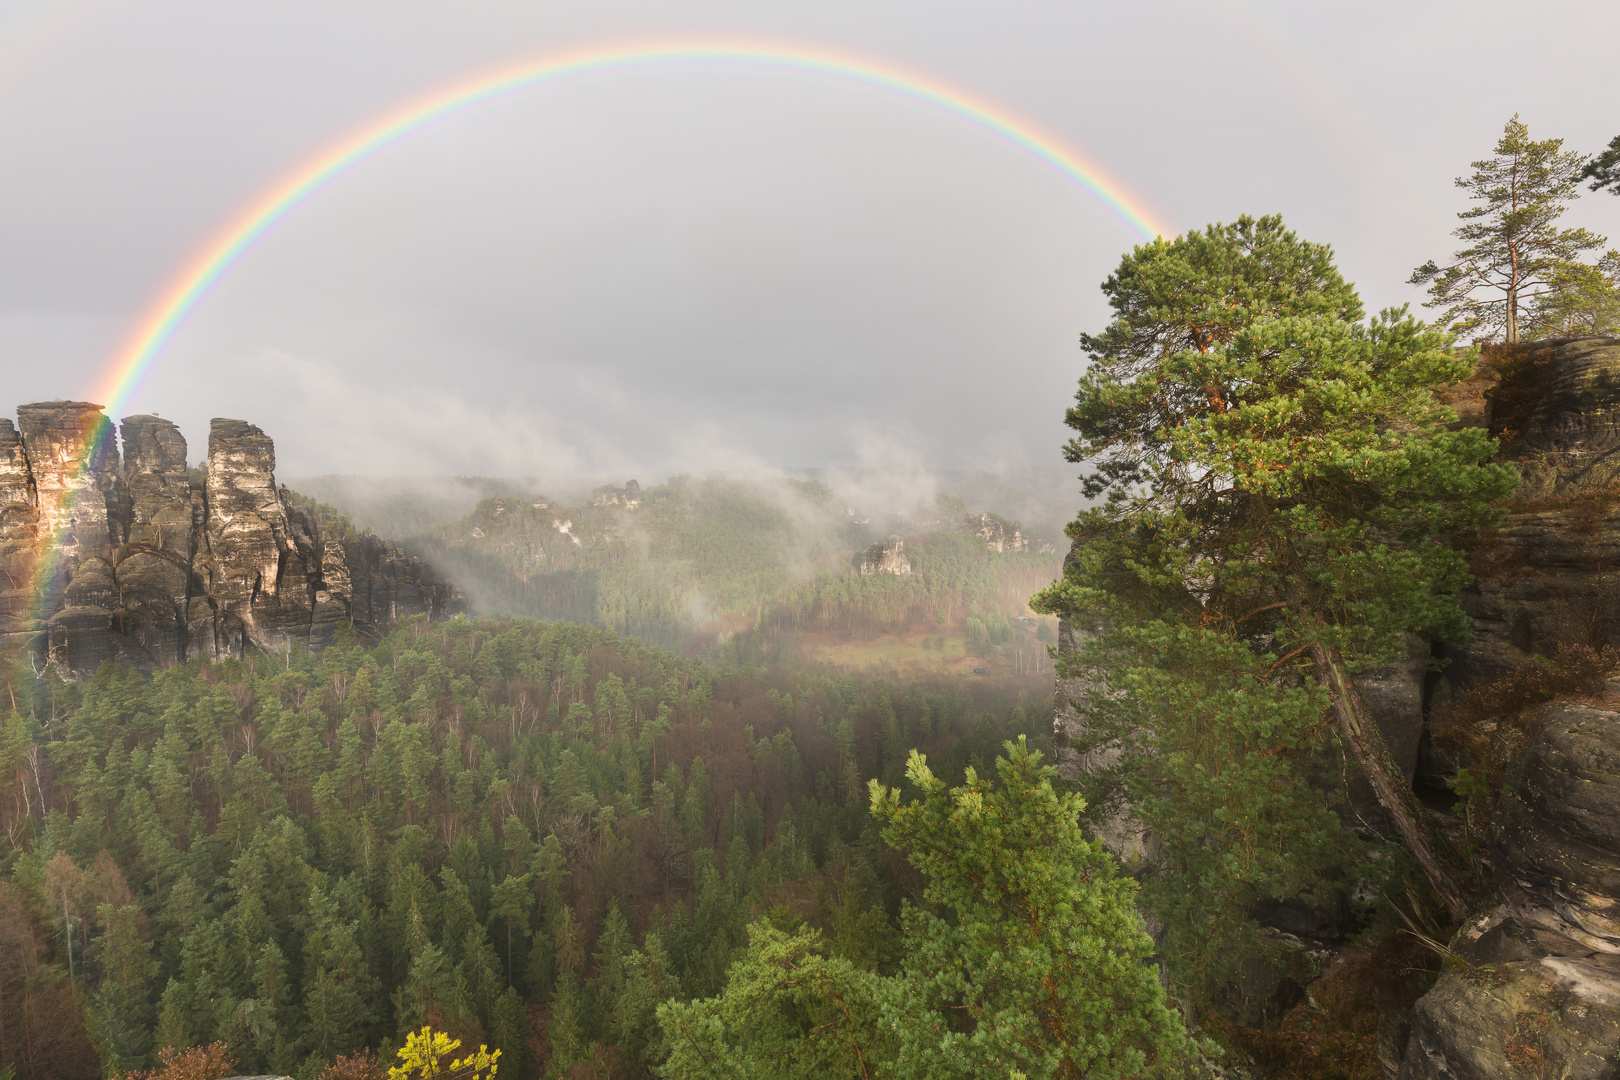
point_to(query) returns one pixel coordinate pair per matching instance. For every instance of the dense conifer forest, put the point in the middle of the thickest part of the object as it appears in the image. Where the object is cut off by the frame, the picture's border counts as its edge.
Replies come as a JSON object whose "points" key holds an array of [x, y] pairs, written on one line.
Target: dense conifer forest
{"points": [[500, 828]]}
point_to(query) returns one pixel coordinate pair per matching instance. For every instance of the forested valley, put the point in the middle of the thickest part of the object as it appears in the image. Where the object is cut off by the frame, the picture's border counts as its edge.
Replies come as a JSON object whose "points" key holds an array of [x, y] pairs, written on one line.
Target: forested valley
{"points": [[719, 780], [499, 828]]}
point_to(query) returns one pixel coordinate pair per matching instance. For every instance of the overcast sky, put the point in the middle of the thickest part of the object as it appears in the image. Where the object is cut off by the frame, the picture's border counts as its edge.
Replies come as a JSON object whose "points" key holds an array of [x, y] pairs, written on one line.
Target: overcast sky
{"points": [[709, 268]]}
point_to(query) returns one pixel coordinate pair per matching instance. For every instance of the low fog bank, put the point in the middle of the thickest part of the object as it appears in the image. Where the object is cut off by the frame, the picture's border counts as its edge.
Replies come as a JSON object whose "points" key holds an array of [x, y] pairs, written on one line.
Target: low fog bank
{"points": [[1043, 500], [400, 507], [405, 507]]}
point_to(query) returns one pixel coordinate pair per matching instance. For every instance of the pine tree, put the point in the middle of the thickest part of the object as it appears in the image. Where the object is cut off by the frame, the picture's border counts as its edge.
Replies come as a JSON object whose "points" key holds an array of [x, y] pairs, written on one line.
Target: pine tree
{"points": [[122, 1006], [788, 1011], [1029, 960], [1583, 300], [1604, 170], [1042, 963], [1516, 252], [1289, 487]]}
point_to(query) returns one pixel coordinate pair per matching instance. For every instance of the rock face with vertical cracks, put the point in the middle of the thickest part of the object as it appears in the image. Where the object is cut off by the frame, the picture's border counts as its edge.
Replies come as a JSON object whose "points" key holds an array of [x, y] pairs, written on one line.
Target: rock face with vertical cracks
{"points": [[131, 558], [1539, 993]]}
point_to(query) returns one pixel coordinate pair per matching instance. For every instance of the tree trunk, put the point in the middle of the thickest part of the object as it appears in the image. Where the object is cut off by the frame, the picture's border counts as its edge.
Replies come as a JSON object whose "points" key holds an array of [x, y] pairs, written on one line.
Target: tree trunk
{"points": [[1388, 781]]}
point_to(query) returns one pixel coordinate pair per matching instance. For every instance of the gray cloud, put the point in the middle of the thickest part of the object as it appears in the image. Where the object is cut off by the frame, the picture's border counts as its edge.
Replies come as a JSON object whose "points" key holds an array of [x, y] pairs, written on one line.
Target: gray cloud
{"points": [[711, 268]]}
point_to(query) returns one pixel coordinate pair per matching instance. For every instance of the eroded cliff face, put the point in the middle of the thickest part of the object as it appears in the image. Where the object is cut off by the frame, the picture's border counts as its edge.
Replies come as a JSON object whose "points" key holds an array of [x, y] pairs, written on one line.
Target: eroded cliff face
{"points": [[128, 558], [1537, 988], [1547, 575]]}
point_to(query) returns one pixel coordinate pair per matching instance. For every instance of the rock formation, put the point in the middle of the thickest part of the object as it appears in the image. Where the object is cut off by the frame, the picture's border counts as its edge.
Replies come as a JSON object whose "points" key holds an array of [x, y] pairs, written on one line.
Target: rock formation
{"points": [[1540, 986], [997, 532], [1000, 535], [886, 557], [133, 559], [1546, 574], [628, 496]]}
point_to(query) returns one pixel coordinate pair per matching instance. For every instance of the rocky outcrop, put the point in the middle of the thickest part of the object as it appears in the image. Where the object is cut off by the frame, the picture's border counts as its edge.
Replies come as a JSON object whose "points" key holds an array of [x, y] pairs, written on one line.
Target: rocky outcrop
{"points": [[1539, 991], [1547, 1016], [154, 574], [628, 496], [19, 520], [134, 559], [1000, 535], [997, 533], [1556, 840], [886, 557], [1545, 575]]}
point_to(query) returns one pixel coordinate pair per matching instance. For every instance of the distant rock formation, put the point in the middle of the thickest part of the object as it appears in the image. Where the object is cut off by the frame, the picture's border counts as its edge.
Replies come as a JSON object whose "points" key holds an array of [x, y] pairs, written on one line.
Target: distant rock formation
{"points": [[628, 496], [886, 557], [997, 532], [130, 558], [1000, 535]]}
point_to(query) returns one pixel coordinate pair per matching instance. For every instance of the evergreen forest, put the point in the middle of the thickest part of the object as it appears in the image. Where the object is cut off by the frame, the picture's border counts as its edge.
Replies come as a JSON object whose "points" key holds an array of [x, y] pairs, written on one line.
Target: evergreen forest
{"points": [[500, 828]]}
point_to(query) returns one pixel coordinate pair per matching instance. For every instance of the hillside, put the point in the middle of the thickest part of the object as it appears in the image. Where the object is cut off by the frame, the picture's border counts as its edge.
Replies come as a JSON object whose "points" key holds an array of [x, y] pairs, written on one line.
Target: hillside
{"points": [[529, 834], [766, 570]]}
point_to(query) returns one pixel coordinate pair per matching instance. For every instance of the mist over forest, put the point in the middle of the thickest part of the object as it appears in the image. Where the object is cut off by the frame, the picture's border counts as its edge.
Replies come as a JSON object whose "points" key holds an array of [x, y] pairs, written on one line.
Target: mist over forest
{"points": [[403, 506]]}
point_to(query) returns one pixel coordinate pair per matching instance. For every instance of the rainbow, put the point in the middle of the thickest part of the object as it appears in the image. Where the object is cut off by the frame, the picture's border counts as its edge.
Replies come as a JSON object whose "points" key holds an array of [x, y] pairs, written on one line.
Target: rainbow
{"points": [[160, 323], [158, 326]]}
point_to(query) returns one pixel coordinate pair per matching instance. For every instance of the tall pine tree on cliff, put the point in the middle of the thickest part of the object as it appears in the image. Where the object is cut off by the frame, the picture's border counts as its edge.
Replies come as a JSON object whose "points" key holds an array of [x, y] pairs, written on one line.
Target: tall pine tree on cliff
{"points": [[1280, 485], [1516, 255]]}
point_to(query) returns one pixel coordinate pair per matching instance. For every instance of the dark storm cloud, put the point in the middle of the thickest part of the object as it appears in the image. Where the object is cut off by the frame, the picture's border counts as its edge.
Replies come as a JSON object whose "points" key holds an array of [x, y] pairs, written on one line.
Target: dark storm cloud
{"points": [[698, 268]]}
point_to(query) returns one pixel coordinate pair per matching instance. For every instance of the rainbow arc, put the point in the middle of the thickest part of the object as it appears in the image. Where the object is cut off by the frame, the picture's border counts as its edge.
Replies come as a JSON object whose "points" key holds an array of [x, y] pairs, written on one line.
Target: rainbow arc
{"points": [[157, 327]]}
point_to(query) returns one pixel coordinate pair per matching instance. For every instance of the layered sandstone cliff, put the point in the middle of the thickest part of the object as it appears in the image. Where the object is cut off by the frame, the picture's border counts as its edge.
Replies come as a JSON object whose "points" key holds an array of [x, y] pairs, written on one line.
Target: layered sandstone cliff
{"points": [[128, 557]]}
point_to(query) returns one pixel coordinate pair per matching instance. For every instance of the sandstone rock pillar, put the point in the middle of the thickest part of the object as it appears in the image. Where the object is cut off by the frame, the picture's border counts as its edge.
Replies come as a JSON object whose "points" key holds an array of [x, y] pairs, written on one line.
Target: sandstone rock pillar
{"points": [[154, 571]]}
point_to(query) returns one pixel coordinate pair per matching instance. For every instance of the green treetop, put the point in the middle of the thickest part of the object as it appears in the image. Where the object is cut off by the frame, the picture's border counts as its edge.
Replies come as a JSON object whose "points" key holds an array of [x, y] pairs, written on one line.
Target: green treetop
{"points": [[1029, 959], [1516, 254], [1584, 300], [1604, 170], [1193, 294], [1030, 956], [1289, 489]]}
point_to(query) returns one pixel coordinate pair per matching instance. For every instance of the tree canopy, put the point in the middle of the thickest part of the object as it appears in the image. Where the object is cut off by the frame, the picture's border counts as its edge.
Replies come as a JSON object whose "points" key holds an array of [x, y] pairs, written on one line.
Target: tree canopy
{"points": [[1604, 169], [1287, 492], [1516, 253], [1027, 958], [476, 825]]}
